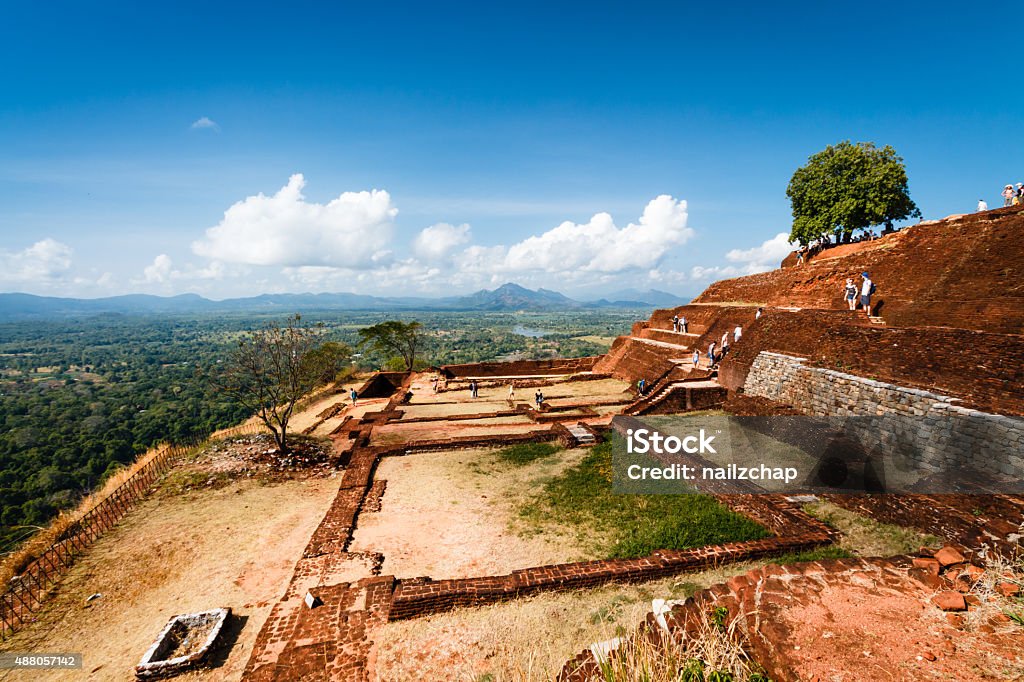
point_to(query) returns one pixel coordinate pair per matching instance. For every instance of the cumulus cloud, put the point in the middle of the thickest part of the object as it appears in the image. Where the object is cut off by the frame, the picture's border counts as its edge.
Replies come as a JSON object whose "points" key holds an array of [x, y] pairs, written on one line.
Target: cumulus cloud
{"points": [[350, 231], [45, 261], [762, 258], [159, 270], [435, 243], [597, 246], [205, 123], [162, 271]]}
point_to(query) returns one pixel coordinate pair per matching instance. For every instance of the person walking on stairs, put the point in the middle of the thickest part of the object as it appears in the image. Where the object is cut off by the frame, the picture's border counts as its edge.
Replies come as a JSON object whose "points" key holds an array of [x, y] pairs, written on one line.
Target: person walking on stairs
{"points": [[683, 324], [867, 288], [511, 391], [696, 358], [725, 343], [711, 354]]}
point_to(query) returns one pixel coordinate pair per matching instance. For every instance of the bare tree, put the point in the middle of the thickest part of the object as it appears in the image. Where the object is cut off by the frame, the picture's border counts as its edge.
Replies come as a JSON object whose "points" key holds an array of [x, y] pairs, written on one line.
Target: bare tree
{"points": [[270, 370]]}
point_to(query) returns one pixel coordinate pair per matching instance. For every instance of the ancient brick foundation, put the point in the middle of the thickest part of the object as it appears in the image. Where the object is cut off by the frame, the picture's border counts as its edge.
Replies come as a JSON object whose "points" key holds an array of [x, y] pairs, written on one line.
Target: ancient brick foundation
{"points": [[940, 435], [523, 368]]}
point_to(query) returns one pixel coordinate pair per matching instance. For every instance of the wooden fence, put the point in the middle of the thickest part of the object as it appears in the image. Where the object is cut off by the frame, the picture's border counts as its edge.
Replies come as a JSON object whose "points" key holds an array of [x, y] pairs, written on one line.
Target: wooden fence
{"points": [[26, 592]]}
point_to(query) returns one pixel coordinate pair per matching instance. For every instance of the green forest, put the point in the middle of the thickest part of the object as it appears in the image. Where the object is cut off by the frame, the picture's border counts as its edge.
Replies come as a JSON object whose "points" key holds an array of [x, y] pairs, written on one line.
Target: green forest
{"points": [[79, 398]]}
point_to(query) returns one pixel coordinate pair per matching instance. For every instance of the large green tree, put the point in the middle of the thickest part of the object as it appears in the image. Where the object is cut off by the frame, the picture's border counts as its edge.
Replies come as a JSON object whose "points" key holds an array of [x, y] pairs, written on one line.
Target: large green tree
{"points": [[849, 187], [393, 338]]}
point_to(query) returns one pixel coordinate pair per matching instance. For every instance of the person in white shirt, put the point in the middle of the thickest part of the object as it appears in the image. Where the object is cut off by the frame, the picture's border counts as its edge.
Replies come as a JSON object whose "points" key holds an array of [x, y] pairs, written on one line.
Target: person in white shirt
{"points": [[867, 288], [758, 315], [696, 358], [737, 333], [982, 205], [725, 343], [1008, 195]]}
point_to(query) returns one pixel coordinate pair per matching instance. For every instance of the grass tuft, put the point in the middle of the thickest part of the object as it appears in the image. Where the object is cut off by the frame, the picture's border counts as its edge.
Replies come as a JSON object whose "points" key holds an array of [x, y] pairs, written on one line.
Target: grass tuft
{"points": [[521, 455]]}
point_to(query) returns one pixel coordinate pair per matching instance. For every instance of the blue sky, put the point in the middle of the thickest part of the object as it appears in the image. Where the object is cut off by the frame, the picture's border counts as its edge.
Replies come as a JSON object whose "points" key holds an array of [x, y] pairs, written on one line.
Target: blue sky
{"points": [[493, 135]]}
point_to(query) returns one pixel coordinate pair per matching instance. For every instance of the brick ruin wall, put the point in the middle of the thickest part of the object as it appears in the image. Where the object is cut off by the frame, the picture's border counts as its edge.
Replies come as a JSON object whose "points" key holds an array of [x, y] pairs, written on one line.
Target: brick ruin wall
{"points": [[966, 273], [521, 367], [984, 370], [940, 435]]}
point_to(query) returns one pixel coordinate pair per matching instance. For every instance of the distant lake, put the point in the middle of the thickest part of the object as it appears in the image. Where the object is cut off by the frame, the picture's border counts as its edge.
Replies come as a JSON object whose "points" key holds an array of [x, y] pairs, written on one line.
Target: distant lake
{"points": [[527, 331]]}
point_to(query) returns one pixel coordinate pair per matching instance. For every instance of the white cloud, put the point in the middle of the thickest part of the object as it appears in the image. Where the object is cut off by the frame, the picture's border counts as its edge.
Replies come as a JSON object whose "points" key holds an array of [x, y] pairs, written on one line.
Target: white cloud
{"points": [[205, 123], [350, 231], [159, 270], [435, 243], [44, 262], [762, 258], [598, 246]]}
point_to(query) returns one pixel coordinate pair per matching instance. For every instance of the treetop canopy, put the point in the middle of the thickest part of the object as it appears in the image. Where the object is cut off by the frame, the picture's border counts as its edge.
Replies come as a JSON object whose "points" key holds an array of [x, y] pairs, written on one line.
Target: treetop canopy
{"points": [[848, 187]]}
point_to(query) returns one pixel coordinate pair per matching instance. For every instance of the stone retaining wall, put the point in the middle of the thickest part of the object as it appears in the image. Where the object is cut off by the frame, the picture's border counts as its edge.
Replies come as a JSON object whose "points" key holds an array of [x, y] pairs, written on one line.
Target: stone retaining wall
{"points": [[928, 427]]}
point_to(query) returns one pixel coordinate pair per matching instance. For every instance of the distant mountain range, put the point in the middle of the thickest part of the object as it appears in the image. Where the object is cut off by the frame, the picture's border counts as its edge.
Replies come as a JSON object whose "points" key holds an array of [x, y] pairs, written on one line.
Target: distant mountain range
{"points": [[507, 297]]}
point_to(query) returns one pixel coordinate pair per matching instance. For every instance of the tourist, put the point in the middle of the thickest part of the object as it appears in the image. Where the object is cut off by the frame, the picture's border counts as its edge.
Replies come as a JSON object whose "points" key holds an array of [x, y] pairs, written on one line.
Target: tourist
{"points": [[757, 315], [696, 358], [851, 293], [683, 324], [1008, 195], [355, 396], [512, 391], [473, 392], [711, 353], [1018, 195], [675, 323], [539, 397], [982, 205], [867, 288], [640, 386], [737, 333], [725, 343], [801, 254]]}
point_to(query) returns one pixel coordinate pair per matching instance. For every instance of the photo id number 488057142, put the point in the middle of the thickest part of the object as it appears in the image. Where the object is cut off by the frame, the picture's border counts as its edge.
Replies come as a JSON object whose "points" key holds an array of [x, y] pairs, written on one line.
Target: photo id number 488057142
{"points": [[11, 660]]}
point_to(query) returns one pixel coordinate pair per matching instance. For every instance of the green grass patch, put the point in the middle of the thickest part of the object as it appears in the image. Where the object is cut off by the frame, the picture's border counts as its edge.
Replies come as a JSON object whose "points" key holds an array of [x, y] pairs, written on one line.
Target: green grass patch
{"points": [[627, 526], [521, 455]]}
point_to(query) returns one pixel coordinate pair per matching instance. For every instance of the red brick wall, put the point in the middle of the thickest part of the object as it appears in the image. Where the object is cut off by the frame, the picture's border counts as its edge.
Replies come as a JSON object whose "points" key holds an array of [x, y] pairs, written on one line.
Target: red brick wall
{"points": [[521, 367], [985, 370], [966, 273]]}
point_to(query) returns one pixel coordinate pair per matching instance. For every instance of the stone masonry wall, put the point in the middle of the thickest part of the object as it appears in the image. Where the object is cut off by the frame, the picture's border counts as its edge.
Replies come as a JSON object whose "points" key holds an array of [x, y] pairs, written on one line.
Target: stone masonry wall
{"points": [[940, 434]]}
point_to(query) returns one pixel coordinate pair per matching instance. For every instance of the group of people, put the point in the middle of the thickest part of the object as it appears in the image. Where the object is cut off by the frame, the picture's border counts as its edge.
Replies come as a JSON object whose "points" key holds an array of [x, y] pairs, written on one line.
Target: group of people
{"points": [[805, 251], [717, 351], [474, 392], [680, 324], [866, 289], [1012, 196]]}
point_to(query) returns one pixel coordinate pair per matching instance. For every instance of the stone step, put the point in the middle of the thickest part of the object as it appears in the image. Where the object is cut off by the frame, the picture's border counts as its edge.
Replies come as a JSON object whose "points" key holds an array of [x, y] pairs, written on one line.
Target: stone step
{"points": [[661, 344]]}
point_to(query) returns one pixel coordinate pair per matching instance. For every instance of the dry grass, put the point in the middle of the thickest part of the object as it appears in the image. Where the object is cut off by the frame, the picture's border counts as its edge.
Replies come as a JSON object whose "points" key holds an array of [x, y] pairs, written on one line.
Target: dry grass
{"points": [[233, 546], [527, 639], [30, 550], [995, 607], [863, 536]]}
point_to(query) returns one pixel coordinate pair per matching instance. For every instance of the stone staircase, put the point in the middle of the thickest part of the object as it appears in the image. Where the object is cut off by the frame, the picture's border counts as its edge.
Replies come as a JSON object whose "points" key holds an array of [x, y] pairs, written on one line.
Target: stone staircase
{"points": [[674, 396]]}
